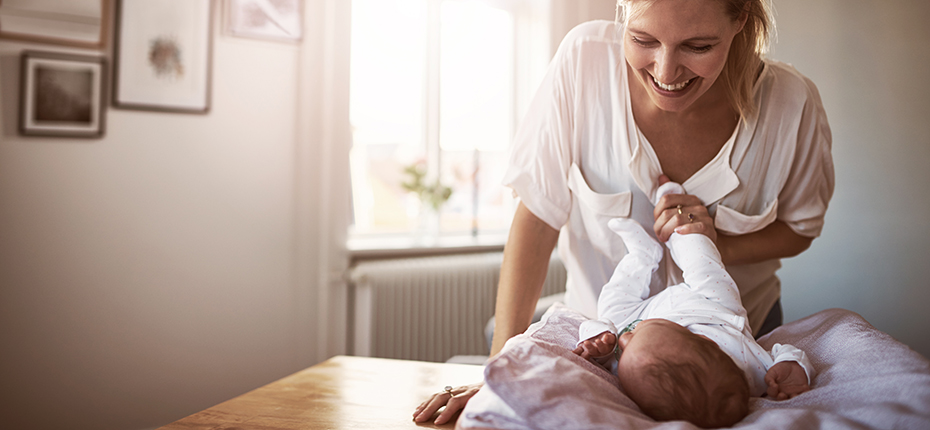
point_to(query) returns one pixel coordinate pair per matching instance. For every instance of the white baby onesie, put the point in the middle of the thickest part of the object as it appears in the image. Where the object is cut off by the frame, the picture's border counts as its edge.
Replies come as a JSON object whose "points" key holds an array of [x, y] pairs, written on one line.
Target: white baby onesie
{"points": [[706, 303]]}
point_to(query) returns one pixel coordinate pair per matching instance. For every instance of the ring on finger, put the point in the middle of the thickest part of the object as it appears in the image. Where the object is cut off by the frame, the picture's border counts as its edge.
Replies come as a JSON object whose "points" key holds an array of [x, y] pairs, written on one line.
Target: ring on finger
{"points": [[679, 209], [448, 389], [690, 217]]}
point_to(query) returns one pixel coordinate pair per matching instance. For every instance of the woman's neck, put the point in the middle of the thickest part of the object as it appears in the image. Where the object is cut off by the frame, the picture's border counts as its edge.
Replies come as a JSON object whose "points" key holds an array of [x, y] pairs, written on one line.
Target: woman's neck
{"points": [[685, 141]]}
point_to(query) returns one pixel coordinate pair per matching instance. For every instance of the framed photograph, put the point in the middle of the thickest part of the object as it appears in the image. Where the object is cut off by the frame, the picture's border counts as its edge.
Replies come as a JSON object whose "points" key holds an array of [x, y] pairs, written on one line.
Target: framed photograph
{"points": [[280, 20], [62, 95], [81, 23], [162, 55]]}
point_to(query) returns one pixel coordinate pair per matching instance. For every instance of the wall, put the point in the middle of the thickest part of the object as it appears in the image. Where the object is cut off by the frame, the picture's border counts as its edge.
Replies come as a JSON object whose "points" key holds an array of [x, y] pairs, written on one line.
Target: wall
{"points": [[870, 60], [566, 14], [185, 259], [182, 259]]}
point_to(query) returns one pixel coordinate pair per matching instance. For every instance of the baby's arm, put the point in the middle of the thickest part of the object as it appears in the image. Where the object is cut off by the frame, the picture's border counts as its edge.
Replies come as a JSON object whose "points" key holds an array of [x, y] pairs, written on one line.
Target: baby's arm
{"points": [[790, 375]]}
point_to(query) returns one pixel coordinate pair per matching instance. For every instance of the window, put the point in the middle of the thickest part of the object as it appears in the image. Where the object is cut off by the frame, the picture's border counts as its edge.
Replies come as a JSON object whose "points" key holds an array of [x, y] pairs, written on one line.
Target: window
{"points": [[439, 85]]}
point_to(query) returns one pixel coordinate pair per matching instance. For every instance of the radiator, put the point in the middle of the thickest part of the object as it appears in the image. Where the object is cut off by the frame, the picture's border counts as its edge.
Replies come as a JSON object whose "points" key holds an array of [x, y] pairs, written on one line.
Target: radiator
{"points": [[429, 308]]}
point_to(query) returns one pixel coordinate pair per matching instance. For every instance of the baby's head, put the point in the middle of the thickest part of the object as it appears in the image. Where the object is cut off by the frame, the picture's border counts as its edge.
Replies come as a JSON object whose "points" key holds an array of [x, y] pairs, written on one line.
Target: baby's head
{"points": [[674, 374]]}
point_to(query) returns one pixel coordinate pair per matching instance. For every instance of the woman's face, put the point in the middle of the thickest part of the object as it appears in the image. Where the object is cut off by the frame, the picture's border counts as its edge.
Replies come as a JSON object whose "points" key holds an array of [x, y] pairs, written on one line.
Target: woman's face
{"points": [[678, 48]]}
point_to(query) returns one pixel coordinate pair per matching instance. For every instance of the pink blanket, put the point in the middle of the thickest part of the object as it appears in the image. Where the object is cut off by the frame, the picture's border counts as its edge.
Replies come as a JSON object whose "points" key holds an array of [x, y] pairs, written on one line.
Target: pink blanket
{"points": [[864, 379]]}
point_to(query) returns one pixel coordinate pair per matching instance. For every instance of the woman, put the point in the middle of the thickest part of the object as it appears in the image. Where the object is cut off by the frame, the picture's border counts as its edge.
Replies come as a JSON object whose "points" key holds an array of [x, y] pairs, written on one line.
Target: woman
{"points": [[675, 88]]}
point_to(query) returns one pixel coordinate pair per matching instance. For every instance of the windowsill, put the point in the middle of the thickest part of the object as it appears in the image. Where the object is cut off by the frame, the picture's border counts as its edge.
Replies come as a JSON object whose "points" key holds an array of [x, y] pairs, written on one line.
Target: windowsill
{"points": [[401, 247]]}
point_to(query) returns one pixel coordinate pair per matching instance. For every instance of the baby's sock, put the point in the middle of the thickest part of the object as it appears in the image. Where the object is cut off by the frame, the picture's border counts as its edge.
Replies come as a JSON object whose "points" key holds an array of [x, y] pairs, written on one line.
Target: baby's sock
{"points": [[669, 188], [636, 240]]}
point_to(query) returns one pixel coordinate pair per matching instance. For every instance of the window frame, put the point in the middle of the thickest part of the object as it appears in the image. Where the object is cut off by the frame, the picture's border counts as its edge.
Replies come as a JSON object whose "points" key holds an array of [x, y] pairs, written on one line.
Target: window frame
{"points": [[532, 26]]}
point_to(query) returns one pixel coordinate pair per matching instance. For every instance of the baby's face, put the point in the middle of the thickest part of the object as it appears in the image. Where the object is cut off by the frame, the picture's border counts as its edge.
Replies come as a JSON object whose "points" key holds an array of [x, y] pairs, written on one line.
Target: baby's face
{"points": [[655, 340], [658, 338]]}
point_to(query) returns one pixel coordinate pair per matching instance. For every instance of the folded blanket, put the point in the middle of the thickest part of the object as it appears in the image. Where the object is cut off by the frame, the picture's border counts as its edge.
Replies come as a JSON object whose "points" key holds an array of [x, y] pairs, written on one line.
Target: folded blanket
{"points": [[865, 379]]}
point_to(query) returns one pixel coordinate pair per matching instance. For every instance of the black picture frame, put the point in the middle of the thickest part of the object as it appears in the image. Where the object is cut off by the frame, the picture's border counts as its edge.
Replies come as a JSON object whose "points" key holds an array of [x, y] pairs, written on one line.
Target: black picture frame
{"points": [[62, 95]]}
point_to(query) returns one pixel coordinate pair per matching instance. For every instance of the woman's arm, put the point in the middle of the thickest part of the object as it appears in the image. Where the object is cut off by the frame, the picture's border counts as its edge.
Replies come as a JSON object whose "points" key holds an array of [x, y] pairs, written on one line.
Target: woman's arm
{"points": [[776, 240], [523, 272]]}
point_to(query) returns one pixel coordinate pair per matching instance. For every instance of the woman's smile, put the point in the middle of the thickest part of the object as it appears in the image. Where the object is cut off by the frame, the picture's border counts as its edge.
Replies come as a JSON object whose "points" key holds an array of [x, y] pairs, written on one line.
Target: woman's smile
{"points": [[672, 90]]}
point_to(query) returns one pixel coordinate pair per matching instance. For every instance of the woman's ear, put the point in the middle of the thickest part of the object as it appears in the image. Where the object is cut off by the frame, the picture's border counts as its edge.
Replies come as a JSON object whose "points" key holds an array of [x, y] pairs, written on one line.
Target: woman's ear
{"points": [[743, 17]]}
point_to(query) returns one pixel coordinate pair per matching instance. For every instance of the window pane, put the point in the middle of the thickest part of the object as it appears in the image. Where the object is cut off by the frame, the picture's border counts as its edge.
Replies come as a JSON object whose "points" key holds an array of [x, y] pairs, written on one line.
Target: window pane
{"points": [[386, 110], [476, 73], [483, 205], [435, 82], [476, 113]]}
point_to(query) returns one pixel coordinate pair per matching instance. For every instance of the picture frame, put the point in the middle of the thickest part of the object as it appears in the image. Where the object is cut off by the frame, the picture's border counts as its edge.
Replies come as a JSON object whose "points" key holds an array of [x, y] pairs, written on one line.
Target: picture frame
{"points": [[62, 95], [278, 20], [162, 55], [77, 23]]}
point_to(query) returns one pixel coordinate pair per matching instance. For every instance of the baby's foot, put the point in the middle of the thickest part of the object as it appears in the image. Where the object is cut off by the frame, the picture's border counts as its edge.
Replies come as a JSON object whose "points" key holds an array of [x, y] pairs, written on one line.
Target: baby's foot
{"points": [[669, 188], [636, 240]]}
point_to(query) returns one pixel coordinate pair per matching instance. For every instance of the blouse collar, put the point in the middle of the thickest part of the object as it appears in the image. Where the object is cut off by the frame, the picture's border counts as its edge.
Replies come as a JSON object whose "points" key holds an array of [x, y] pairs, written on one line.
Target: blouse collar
{"points": [[710, 184]]}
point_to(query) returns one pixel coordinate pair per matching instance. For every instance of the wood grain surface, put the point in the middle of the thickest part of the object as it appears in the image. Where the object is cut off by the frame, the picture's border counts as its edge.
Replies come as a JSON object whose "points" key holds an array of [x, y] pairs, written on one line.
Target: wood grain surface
{"points": [[339, 393]]}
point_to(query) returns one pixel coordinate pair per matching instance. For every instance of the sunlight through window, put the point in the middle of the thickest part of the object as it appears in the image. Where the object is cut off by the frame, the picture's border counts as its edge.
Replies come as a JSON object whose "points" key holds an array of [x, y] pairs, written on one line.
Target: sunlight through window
{"points": [[434, 86]]}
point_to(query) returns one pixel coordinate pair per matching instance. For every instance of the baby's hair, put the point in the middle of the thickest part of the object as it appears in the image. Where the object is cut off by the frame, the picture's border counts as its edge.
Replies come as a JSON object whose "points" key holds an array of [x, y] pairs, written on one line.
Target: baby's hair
{"points": [[685, 395]]}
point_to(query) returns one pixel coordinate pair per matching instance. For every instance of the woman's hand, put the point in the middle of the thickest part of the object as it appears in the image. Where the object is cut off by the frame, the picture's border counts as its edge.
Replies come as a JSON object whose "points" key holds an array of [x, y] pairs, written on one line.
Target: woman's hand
{"points": [[453, 401], [683, 214]]}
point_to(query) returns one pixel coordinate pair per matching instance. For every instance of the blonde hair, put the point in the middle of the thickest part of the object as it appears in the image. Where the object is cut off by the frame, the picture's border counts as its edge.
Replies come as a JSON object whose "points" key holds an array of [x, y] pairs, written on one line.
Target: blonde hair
{"points": [[746, 52]]}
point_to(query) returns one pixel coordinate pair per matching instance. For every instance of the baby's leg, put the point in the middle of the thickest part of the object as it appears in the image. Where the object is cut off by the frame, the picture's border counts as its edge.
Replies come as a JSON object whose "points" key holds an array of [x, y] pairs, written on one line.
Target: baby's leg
{"points": [[700, 262], [703, 269], [629, 285], [669, 188]]}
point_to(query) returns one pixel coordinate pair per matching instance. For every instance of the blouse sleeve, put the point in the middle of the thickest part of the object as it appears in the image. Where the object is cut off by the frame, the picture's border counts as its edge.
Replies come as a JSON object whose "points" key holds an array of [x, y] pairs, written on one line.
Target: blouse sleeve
{"points": [[540, 157], [803, 200]]}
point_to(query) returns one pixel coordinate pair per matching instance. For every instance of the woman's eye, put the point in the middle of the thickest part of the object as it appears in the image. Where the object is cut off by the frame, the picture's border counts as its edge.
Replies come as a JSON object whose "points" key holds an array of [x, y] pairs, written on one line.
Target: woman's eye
{"points": [[641, 42], [700, 48]]}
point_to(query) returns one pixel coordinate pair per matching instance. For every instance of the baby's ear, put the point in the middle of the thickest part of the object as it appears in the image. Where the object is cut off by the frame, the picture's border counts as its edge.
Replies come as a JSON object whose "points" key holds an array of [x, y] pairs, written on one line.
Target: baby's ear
{"points": [[663, 179]]}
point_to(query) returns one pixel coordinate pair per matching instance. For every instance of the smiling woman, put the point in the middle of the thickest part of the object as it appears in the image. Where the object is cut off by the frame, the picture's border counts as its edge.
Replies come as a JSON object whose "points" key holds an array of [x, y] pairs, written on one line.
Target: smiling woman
{"points": [[680, 90]]}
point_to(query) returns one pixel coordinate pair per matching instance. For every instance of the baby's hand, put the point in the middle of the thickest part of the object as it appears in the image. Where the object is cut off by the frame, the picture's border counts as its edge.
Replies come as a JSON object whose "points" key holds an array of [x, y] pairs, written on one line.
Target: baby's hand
{"points": [[597, 347], [786, 380]]}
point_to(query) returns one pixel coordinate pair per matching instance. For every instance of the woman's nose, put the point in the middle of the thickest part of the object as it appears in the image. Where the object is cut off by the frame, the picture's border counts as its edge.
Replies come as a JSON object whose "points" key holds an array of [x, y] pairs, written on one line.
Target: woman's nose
{"points": [[666, 66]]}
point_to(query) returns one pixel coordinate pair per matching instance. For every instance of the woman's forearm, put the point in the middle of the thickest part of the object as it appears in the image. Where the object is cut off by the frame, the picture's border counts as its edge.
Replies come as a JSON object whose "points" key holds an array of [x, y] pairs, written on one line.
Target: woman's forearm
{"points": [[523, 272], [777, 240]]}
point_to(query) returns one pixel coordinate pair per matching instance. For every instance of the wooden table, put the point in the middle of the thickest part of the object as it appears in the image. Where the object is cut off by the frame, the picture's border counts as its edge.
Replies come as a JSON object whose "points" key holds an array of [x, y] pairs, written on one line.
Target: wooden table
{"points": [[339, 393]]}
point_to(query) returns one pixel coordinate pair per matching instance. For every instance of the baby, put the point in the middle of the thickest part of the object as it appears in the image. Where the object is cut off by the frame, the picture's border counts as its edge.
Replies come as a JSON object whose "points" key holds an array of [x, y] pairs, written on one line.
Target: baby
{"points": [[686, 353]]}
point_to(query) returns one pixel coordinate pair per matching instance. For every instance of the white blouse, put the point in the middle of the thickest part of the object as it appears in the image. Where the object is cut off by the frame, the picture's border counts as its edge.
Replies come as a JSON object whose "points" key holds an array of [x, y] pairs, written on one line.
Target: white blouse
{"points": [[579, 160]]}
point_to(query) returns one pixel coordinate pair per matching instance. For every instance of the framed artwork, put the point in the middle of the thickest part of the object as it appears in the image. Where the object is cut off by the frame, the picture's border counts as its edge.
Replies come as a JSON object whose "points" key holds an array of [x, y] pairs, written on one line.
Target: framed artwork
{"points": [[62, 95], [80, 23], [162, 55], [265, 19]]}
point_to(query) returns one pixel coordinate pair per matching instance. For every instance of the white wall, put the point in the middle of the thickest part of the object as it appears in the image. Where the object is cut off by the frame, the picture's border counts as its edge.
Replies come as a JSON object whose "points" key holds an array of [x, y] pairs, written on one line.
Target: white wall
{"points": [[870, 60], [182, 259], [566, 14]]}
